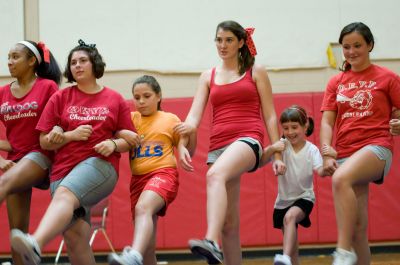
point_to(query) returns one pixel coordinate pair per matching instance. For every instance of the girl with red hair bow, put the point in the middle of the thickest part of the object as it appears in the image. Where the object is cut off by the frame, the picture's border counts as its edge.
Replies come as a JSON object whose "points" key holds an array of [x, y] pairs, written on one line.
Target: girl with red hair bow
{"points": [[241, 96], [22, 101]]}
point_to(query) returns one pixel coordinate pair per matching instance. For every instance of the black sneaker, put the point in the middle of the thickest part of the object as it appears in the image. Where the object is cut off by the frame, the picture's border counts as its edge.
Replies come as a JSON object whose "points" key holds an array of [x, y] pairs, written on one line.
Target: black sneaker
{"points": [[26, 246], [207, 249]]}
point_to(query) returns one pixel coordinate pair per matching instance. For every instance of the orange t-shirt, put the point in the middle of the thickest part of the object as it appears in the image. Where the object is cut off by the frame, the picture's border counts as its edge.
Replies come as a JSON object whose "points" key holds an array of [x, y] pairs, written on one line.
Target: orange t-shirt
{"points": [[158, 141]]}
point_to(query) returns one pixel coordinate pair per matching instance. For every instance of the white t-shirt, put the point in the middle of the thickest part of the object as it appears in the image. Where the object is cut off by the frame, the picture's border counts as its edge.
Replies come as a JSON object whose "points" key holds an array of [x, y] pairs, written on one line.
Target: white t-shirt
{"points": [[297, 182]]}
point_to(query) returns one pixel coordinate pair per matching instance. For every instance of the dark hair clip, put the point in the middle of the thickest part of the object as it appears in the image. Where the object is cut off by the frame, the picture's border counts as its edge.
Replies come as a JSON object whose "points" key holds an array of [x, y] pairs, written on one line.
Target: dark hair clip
{"points": [[83, 44]]}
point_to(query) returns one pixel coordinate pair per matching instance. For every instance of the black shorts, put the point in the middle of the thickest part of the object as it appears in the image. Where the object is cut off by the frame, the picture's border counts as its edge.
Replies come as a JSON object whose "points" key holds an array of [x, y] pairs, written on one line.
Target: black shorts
{"points": [[305, 205], [256, 150]]}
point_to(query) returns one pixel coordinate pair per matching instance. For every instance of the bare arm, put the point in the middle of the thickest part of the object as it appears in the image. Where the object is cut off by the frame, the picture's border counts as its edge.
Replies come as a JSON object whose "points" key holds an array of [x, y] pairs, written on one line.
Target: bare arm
{"points": [[186, 148], [198, 105], [270, 150], [394, 123], [264, 88], [5, 146], [321, 172], [109, 146], [49, 142], [131, 138], [326, 135]]}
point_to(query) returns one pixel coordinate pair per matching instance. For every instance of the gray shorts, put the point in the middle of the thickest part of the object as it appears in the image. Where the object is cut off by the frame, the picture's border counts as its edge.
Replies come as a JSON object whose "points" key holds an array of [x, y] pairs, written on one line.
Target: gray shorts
{"points": [[382, 153], [90, 181], [253, 143], [43, 161]]}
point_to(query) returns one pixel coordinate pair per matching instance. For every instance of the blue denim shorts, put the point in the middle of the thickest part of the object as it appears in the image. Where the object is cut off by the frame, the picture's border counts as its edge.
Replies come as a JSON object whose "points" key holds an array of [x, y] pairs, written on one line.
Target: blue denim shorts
{"points": [[43, 161], [253, 143], [90, 181], [382, 153]]}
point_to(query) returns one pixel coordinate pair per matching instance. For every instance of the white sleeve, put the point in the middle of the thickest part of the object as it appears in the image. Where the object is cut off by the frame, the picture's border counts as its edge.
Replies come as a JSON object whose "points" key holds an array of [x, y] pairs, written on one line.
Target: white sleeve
{"points": [[316, 157]]}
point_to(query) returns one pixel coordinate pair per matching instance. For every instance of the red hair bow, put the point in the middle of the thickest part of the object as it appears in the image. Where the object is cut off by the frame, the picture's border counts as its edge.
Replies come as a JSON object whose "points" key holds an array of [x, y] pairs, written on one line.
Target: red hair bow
{"points": [[46, 52], [249, 41]]}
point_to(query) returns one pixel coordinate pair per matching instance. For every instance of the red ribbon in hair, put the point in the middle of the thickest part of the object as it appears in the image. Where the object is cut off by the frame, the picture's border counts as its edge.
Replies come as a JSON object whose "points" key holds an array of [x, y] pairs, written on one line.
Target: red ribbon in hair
{"points": [[46, 52], [249, 41]]}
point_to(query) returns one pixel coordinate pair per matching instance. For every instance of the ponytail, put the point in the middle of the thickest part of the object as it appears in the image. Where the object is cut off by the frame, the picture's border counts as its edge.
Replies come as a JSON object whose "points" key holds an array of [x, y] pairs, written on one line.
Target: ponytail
{"points": [[46, 65]]}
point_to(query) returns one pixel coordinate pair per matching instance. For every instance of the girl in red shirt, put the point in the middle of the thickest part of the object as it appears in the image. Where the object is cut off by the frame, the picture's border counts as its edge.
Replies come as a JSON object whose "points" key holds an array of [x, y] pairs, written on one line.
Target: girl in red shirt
{"points": [[240, 94], [80, 123], [27, 165], [359, 102]]}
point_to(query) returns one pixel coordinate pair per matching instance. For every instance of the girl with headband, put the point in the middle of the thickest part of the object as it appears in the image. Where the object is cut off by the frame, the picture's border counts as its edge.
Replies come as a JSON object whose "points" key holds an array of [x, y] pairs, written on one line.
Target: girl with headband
{"points": [[22, 102], [241, 96], [359, 102], [85, 170]]}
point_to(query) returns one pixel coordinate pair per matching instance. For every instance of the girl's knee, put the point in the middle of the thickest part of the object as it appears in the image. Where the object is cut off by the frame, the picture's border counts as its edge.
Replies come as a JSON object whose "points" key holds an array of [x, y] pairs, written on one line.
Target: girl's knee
{"points": [[340, 182], [63, 194], [142, 209], [289, 219], [215, 178]]}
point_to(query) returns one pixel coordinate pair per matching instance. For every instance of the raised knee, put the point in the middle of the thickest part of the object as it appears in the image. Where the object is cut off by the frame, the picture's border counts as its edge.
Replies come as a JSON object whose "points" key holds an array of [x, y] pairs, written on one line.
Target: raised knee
{"points": [[339, 183], [63, 194], [141, 209], [214, 177], [289, 219]]}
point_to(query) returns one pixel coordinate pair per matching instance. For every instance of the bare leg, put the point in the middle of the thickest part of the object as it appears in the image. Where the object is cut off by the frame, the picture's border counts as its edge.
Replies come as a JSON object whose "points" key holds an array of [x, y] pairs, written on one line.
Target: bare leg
{"points": [[16, 187], [290, 241], [77, 241], [236, 159], [149, 257], [57, 217], [359, 169], [231, 231], [21, 177], [360, 239], [146, 220], [18, 207]]}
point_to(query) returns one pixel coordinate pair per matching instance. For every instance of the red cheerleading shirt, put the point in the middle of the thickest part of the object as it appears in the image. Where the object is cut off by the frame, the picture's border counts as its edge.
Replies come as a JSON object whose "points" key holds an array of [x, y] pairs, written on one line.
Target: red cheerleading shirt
{"points": [[363, 102], [236, 111], [21, 115], [106, 111]]}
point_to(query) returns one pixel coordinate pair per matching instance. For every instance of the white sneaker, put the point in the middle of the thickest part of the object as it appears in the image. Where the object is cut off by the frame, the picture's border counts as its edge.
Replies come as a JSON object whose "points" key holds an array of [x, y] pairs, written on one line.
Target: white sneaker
{"points": [[282, 260], [26, 246], [344, 257], [129, 256]]}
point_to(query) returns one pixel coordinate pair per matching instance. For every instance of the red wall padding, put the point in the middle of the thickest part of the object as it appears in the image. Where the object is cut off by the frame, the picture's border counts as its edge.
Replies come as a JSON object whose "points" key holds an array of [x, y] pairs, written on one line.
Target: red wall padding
{"points": [[186, 217]]}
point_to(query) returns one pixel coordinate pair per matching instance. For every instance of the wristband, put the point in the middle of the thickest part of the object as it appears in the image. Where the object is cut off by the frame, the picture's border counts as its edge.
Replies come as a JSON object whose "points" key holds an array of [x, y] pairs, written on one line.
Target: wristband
{"points": [[115, 144]]}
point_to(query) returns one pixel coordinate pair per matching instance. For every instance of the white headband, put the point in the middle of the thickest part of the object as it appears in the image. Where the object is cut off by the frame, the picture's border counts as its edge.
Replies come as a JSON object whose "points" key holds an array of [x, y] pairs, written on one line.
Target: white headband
{"points": [[31, 47]]}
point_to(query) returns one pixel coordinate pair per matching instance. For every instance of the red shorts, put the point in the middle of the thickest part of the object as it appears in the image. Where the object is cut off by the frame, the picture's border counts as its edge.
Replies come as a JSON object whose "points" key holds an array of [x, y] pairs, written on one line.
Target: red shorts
{"points": [[162, 181]]}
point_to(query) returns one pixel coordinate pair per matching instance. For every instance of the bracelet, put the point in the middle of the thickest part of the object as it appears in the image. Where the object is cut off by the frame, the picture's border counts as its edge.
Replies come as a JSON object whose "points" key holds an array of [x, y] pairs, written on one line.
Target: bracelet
{"points": [[115, 144]]}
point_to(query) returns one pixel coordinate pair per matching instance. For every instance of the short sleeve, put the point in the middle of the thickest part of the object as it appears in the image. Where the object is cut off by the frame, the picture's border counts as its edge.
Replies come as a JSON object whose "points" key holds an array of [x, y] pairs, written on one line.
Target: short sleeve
{"points": [[51, 114], [329, 101], [394, 91], [175, 136], [316, 157], [124, 117]]}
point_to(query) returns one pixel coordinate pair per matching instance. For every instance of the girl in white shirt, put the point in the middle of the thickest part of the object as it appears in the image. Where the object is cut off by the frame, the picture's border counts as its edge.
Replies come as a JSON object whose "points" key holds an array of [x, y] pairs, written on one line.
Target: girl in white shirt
{"points": [[296, 196]]}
